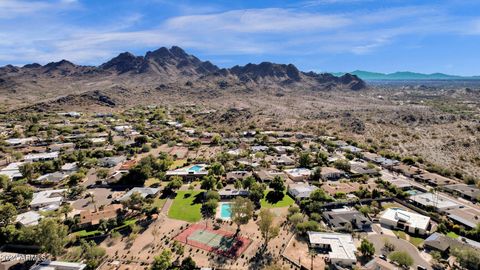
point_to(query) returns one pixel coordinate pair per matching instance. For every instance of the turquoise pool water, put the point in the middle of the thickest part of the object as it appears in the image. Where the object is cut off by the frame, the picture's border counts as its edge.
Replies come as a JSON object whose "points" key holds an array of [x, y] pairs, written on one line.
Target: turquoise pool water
{"points": [[225, 211], [196, 168]]}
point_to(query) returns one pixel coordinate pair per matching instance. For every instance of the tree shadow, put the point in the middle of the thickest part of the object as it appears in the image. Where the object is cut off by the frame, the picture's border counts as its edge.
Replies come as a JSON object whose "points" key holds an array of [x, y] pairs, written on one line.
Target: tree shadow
{"points": [[274, 197]]}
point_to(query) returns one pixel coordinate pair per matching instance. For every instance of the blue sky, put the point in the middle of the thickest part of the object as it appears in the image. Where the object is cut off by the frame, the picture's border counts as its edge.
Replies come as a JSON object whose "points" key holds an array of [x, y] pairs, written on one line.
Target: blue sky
{"points": [[320, 35]]}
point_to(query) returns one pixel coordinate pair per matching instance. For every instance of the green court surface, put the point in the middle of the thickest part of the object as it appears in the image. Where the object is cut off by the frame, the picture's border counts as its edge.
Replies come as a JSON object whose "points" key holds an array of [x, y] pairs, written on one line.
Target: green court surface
{"points": [[212, 239]]}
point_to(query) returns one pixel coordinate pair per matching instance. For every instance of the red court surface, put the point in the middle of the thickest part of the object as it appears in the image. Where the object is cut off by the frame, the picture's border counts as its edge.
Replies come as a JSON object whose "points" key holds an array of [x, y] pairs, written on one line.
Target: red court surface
{"points": [[218, 241]]}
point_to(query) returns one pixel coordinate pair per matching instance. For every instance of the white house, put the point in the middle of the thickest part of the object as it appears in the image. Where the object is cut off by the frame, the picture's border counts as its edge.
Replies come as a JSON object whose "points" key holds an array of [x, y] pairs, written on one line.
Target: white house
{"points": [[47, 199], [397, 218], [58, 265], [41, 157], [299, 174], [341, 246]]}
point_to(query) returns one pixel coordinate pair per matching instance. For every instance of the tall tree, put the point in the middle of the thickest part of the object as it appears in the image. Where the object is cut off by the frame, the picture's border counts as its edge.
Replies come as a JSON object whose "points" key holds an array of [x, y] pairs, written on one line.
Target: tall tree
{"points": [[52, 236], [8, 213], [266, 226], [162, 261], [241, 211], [366, 248]]}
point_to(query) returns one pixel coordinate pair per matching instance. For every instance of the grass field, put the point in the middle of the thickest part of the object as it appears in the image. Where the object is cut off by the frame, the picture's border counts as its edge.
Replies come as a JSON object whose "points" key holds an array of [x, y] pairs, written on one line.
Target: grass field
{"points": [[178, 163], [400, 234], [157, 202], [452, 235], [284, 202], [416, 241], [186, 206], [152, 181]]}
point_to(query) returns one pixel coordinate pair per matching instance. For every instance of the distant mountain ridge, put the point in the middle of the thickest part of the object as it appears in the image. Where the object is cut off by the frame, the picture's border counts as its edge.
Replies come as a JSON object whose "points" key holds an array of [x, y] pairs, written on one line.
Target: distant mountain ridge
{"points": [[405, 75], [130, 79]]}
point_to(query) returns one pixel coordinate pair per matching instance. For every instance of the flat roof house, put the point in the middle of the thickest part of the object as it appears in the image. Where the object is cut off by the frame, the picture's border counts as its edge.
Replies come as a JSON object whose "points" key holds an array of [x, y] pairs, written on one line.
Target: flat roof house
{"points": [[237, 175], [227, 193], [51, 178], [469, 192], [439, 202], [29, 218], [404, 220], [340, 247], [299, 174], [144, 192], [58, 265], [12, 171], [189, 172], [111, 161], [301, 191], [339, 220], [91, 217], [47, 199], [268, 175], [330, 173], [41, 157]]}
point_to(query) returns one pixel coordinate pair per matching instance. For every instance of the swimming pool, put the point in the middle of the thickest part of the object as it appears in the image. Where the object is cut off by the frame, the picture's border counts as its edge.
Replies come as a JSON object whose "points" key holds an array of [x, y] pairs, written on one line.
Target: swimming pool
{"points": [[225, 212], [196, 168]]}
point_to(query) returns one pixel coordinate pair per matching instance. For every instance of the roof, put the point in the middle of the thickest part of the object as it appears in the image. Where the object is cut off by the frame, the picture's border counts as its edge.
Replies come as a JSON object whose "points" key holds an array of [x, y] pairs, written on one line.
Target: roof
{"points": [[52, 177], [300, 191], [338, 218], [436, 200], [413, 219], [438, 241], [188, 170], [467, 216], [299, 172], [59, 265], [330, 170], [50, 198], [144, 192], [94, 217], [29, 218], [233, 192], [341, 245], [50, 155], [468, 190], [379, 264]]}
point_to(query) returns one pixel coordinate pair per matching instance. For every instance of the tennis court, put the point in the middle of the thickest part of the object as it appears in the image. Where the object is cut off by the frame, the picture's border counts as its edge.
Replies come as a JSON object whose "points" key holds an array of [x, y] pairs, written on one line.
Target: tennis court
{"points": [[218, 241]]}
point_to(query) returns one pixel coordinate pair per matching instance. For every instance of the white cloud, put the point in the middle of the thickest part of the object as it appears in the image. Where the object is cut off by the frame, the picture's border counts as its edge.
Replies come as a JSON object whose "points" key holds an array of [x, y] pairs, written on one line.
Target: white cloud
{"points": [[233, 32]]}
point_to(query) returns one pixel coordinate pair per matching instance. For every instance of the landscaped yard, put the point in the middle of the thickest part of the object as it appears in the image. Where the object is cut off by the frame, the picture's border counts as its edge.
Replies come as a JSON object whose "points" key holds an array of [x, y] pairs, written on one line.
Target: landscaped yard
{"points": [[452, 235], [416, 241], [266, 202], [400, 234], [152, 181], [186, 206], [178, 163], [158, 202]]}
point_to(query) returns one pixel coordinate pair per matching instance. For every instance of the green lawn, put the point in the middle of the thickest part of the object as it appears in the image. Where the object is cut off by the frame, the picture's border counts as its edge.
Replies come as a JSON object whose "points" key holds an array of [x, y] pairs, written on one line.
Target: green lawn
{"points": [[452, 235], [185, 207], [416, 241], [84, 233], [284, 202], [400, 234], [158, 202]]}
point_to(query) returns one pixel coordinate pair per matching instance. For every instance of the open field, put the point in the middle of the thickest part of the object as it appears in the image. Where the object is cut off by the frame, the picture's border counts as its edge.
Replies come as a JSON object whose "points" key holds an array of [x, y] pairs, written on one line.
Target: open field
{"points": [[186, 206]]}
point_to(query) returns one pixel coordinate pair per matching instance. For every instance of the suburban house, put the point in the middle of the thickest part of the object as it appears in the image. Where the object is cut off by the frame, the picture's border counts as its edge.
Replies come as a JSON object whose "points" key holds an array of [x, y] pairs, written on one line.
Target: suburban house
{"points": [[340, 247], [283, 160], [335, 187], [237, 175], [227, 193], [111, 161], [51, 178], [29, 218], [298, 174], [41, 157], [330, 173], [190, 172], [143, 191], [433, 200], [347, 219], [58, 265], [466, 216], [92, 217], [16, 142], [414, 223], [469, 192], [47, 199], [12, 171], [268, 175], [301, 191], [434, 179]]}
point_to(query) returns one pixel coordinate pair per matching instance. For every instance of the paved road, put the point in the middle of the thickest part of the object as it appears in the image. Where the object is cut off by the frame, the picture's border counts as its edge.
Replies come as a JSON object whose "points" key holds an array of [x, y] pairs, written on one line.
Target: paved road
{"points": [[400, 245]]}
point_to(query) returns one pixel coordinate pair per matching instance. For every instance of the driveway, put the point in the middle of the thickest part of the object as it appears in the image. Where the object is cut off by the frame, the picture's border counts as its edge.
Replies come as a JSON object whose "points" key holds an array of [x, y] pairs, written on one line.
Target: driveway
{"points": [[400, 245]]}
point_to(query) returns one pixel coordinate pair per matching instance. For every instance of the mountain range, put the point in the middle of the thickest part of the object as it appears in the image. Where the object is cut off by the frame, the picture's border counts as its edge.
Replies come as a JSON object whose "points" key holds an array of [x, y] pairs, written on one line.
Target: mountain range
{"points": [[128, 78], [405, 76]]}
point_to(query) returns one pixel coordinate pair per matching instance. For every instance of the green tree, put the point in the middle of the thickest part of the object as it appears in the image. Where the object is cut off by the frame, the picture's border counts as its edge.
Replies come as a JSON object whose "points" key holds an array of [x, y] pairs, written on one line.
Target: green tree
{"points": [[4, 180], [175, 183], [304, 160], [467, 257], [162, 261], [102, 173], [342, 165], [266, 226], [278, 184], [241, 211], [188, 264], [256, 193], [295, 219], [366, 248], [209, 182], [402, 258], [52, 236], [8, 213], [135, 201], [217, 169]]}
